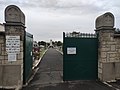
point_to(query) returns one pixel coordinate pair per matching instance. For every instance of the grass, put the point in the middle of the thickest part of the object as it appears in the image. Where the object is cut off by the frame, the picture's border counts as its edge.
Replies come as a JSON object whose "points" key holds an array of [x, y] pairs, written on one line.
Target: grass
{"points": [[42, 52]]}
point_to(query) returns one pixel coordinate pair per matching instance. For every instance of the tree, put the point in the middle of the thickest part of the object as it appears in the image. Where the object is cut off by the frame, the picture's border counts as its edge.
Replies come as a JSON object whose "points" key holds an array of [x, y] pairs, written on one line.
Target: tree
{"points": [[53, 43], [117, 30], [39, 43], [56, 43], [59, 43], [42, 43], [48, 44]]}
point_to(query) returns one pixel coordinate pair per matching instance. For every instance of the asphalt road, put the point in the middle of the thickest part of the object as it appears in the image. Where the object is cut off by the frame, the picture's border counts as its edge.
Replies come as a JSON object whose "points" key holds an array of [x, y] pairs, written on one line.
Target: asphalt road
{"points": [[50, 73]]}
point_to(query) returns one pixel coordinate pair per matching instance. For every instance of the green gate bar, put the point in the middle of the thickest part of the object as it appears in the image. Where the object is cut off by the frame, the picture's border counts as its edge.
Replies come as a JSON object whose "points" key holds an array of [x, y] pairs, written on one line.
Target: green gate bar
{"points": [[28, 59]]}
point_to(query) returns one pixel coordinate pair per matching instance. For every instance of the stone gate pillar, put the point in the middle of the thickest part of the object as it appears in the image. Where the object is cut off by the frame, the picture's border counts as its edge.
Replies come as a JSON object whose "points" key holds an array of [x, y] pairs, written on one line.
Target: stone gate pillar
{"points": [[108, 48], [14, 34]]}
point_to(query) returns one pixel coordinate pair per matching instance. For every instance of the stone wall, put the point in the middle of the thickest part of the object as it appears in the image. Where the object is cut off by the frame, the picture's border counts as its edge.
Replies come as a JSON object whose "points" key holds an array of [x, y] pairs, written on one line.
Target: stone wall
{"points": [[109, 48], [2, 55]]}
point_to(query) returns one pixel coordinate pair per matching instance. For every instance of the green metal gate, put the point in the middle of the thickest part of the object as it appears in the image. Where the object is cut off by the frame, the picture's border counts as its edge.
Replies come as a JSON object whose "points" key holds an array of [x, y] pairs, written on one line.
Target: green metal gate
{"points": [[80, 57], [28, 59]]}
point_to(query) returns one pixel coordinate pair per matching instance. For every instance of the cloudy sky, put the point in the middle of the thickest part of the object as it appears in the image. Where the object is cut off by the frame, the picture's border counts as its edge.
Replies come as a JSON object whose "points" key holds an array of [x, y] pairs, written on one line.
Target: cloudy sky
{"points": [[48, 19]]}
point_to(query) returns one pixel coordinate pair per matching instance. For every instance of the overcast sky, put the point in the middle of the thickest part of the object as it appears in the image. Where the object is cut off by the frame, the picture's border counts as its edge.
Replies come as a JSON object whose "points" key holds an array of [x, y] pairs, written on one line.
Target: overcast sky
{"points": [[48, 19]]}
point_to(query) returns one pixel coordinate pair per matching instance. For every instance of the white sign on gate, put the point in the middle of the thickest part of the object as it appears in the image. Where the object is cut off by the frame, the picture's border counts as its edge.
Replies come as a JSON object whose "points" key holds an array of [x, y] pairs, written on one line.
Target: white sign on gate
{"points": [[71, 50], [13, 44]]}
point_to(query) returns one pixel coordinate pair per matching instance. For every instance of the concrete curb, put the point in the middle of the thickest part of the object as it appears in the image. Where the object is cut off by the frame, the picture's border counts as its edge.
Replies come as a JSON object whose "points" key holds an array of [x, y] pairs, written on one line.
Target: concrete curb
{"points": [[39, 60], [59, 51], [111, 86]]}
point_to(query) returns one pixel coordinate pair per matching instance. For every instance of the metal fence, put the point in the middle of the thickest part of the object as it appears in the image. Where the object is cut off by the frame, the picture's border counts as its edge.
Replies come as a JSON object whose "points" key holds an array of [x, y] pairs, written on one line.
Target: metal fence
{"points": [[83, 35]]}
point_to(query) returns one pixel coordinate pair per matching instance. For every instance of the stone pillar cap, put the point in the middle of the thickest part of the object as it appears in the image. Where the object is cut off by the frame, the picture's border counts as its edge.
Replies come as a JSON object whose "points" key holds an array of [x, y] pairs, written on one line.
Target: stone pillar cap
{"points": [[105, 21], [13, 14]]}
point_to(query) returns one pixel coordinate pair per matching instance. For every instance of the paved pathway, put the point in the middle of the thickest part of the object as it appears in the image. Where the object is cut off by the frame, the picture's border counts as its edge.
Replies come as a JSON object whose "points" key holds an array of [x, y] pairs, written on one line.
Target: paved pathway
{"points": [[50, 73]]}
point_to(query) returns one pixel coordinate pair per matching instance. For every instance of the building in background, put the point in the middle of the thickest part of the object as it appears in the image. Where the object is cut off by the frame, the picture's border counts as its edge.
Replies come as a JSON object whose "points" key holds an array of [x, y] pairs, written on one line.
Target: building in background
{"points": [[51, 45]]}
